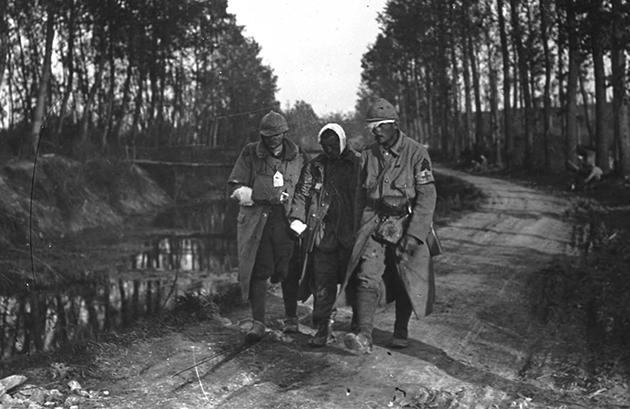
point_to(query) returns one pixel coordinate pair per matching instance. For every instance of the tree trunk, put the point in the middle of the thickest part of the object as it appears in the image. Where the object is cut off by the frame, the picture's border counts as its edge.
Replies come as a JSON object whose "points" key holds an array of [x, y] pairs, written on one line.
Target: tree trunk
{"points": [[120, 116], [109, 115], [561, 101], [493, 100], [25, 94], [70, 68], [585, 107], [603, 145], [457, 137], [38, 114], [87, 109], [476, 91], [523, 73], [572, 83], [4, 39], [544, 27], [467, 98], [505, 55], [620, 100], [442, 69], [137, 108]]}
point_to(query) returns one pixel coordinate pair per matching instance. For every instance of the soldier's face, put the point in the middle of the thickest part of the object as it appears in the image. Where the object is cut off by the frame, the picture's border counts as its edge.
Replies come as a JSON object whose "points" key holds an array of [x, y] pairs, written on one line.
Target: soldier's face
{"points": [[385, 133], [331, 146], [273, 141]]}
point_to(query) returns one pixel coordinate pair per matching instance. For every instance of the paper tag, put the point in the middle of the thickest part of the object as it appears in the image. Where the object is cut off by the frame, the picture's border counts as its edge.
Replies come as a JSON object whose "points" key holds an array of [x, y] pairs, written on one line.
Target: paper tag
{"points": [[278, 179]]}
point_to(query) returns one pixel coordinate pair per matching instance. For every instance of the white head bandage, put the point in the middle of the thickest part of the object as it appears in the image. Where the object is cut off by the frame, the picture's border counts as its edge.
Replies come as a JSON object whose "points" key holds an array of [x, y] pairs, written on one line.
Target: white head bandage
{"points": [[336, 128], [375, 124]]}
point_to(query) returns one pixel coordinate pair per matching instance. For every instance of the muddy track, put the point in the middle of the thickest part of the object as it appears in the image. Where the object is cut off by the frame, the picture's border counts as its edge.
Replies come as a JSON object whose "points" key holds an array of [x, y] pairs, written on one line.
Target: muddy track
{"points": [[471, 352]]}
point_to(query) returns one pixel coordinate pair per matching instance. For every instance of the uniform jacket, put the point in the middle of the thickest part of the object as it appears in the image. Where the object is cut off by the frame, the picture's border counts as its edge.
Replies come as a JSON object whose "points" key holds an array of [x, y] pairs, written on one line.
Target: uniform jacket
{"points": [[254, 160], [312, 202], [407, 173]]}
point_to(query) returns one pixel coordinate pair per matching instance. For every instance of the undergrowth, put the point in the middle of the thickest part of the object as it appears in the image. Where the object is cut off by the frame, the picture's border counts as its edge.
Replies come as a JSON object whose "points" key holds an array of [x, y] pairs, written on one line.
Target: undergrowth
{"points": [[590, 293]]}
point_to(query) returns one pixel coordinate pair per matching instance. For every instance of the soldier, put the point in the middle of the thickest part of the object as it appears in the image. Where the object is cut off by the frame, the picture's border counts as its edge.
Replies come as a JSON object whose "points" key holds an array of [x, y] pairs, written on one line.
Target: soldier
{"points": [[390, 259], [324, 201], [263, 181]]}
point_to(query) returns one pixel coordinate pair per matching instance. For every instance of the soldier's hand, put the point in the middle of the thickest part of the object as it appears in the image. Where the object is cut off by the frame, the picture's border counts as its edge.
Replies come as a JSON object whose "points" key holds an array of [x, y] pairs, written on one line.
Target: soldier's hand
{"points": [[408, 246], [243, 195]]}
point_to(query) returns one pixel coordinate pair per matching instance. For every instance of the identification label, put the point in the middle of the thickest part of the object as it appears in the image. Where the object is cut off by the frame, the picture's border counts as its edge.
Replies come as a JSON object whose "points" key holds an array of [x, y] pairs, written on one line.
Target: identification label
{"points": [[278, 179]]}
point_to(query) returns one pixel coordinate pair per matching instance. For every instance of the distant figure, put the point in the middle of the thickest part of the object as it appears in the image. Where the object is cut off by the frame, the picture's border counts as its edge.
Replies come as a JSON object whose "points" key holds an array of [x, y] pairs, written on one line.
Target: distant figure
{"points": [[586, 173], [480, 165], [263, 181]]}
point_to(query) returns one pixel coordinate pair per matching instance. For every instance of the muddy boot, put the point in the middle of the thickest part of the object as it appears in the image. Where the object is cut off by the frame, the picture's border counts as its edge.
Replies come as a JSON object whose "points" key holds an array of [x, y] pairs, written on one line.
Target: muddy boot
{"points": [[358, 342], [403, 314], [365, 309], [291, 325], [323, 336], [255, 333], [398, 343]]}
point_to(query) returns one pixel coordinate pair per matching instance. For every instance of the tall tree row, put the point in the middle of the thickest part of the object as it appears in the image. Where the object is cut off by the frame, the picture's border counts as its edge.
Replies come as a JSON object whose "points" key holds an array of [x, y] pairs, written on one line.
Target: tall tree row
{"points": [[525, 82], [111, 73]]}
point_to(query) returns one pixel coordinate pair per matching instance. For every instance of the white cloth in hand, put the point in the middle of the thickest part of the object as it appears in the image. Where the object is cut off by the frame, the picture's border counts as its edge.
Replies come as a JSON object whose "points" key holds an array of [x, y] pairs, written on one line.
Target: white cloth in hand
{"points": [[244, 196], [297, 226]]}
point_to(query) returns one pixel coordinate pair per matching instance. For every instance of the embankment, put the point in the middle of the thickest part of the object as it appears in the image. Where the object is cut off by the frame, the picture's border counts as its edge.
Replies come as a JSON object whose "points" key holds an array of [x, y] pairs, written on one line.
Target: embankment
{"points": [[61, 197]]}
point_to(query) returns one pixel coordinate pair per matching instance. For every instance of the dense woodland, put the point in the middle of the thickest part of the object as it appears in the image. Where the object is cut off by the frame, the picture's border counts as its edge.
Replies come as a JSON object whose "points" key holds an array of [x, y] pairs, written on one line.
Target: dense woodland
{"points": [[526, 81], [99, 75], [523, 81]]}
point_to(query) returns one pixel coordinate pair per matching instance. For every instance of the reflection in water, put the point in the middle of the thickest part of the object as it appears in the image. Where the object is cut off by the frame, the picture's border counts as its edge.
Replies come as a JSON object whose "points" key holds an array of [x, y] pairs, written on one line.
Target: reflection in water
{"points": [[46, 320], [168, 266], [200, 252]]}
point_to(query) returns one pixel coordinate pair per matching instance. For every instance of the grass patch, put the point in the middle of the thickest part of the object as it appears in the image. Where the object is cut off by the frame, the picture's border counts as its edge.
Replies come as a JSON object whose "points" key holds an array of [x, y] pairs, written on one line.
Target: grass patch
{"points": [[587, 297]]}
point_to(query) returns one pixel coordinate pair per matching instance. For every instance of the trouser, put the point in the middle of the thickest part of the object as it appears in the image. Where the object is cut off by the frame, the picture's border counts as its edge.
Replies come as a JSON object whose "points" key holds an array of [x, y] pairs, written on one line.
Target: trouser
{"points": [[273, 260], [328, 269], [369, 279]]}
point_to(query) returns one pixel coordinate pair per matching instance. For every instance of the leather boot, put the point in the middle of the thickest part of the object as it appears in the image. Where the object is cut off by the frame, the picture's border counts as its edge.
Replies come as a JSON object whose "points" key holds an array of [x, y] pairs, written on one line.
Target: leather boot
{"points": [[255, 333], [365, 309], [291, 325], [403, 314], [323, 335]]}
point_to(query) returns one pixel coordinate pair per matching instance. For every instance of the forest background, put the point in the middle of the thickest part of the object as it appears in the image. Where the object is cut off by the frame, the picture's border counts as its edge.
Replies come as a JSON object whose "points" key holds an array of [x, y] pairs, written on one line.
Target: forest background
{"points": [[523, 81]]}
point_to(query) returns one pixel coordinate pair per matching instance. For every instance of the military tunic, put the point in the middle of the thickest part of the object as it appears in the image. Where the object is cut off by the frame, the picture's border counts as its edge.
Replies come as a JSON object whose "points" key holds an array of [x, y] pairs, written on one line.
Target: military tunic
{"points": [[404, 173], [254, 166]]}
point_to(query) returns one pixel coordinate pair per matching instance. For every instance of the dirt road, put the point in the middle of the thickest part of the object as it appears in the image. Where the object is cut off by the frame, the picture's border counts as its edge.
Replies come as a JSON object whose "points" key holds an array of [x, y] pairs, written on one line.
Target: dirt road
{"points": [[471, 352]]}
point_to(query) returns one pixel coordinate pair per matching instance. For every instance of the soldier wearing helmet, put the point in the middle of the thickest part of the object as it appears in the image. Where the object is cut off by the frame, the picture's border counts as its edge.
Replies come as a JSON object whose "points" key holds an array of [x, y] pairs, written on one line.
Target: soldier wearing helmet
{"points": [[390, 259], [263, 182]]}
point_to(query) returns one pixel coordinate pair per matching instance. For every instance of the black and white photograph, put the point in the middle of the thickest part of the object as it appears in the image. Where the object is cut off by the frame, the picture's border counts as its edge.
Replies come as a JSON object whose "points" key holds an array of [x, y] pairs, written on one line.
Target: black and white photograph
{"points": [[300, 204]]}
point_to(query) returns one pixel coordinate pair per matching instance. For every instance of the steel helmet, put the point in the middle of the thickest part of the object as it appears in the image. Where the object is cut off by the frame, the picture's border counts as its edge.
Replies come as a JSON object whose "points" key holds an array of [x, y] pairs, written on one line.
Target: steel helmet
{"points": [[381, 110], [273, 123]]}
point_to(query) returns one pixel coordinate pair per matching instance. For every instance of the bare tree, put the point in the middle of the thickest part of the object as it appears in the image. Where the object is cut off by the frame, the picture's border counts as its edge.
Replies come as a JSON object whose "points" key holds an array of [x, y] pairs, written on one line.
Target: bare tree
{"points": [[572, 81], [597, 44], [544, 30], [620, 98], [40, 105], [505, 56], [517, 34]]}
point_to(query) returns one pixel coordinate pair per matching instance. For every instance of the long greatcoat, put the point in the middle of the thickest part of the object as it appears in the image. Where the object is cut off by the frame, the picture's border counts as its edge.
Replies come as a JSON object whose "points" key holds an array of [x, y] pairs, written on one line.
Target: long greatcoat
{"points": [[251, 219], [407, 172]]}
